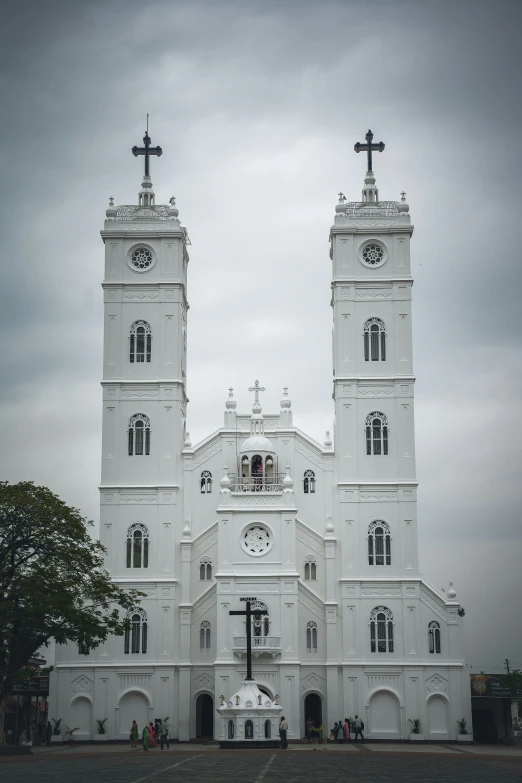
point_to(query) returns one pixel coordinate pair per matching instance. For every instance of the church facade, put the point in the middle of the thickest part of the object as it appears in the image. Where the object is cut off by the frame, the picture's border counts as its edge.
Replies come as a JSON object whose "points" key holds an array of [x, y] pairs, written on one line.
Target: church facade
{"points": [[322, 537]]}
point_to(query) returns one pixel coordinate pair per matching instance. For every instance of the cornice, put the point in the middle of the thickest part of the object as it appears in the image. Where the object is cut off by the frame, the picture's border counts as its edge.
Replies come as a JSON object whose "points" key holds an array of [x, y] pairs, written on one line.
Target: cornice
{"points": [[368, 229]]}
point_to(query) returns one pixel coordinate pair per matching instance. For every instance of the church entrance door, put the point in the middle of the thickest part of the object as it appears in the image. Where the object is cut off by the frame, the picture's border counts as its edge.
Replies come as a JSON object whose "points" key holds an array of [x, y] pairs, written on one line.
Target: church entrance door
{"points": [[313, 708], [205, 716]]}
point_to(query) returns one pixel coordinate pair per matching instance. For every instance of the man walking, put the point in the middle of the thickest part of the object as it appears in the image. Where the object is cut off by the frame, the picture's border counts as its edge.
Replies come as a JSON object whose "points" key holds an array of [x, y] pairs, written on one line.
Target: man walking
{"points": [[164, 734], [283, 728], [358, 726]]}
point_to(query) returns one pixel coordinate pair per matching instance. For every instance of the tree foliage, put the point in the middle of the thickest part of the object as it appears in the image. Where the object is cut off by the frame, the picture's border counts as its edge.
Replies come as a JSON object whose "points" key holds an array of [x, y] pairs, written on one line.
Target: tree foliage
{"points": [[52, 581]]}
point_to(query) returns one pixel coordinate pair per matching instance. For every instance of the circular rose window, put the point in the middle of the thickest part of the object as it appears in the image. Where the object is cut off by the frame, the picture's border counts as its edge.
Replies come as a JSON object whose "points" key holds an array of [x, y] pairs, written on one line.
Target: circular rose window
{"points": [[256, 540], [373, 254], [142, 259]]}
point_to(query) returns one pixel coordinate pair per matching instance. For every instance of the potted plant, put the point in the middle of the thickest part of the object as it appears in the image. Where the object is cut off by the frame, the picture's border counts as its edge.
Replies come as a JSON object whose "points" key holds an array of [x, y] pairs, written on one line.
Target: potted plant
{"points": [[56, 736], [463, 734], [70, 732], [318, 731], [101, 731], [416, 734]]}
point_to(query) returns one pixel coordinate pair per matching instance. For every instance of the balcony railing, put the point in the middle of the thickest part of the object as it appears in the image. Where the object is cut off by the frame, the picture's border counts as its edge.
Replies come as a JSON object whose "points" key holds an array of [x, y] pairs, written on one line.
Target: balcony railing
{"points": [[261, 645], [272, 482]]}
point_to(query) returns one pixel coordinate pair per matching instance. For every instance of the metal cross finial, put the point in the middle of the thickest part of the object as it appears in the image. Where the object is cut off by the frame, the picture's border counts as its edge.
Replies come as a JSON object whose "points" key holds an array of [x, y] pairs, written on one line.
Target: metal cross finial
{"points": [[230, 392], [147, 150], [256, 388], [368, 147]]}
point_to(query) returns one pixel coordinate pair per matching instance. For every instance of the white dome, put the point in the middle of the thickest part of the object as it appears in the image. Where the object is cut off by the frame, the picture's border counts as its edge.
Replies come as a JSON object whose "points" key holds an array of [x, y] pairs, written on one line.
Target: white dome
{"points": [[257, 444]]}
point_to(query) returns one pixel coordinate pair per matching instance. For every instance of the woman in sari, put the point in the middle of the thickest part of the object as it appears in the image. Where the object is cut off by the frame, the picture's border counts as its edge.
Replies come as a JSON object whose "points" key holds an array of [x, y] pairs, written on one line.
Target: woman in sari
{"points": [[146, 738], [134, 734]]}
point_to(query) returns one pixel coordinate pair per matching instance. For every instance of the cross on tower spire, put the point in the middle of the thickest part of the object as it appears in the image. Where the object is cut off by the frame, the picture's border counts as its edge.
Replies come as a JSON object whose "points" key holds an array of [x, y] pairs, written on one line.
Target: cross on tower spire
{"points": [[256, 388], [369, 147], [147, 150]]}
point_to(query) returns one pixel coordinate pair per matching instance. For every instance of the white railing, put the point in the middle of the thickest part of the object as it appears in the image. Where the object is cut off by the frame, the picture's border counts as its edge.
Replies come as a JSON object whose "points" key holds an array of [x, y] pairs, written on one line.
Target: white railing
{"points": [[259, 643], [270, 483]]}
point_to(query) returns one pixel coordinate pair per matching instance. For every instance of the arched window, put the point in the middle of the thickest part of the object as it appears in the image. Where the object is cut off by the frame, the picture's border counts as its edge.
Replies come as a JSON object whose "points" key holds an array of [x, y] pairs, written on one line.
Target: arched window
{"points": [[249, 729], [205, 569], [434, 637], [268, 729], [140, 342], [136, 634], [381, 630], [261, 624], [309, 481], [379, 543], [374, 340], [376, 433], [231, 729], [310, 567], [311, 636], [137, 546], [206, 482], [139, 435], [204, 635]]}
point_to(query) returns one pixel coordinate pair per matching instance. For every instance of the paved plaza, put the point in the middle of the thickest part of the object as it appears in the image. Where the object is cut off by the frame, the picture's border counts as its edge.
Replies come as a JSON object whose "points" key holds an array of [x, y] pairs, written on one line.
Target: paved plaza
{"points": [[300, 764]]}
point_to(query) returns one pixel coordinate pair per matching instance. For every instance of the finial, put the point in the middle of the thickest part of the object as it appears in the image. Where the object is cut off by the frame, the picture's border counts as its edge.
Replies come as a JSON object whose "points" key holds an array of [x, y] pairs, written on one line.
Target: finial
{"points": [[256, 388], [111, 212], [147, 150], [288, 482], [329, 524], [451, 591], [111, 201], [186, 529], [225, 482], [342, 197], [173, 211], [403, 195], [403, 207], [231, 404], [286, 403], [328, 440], [187, 444], [147, 131], [369, 148]]}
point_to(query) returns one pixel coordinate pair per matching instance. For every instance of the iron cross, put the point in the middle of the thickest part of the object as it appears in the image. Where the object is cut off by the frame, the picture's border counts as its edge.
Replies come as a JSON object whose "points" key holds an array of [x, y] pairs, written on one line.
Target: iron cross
{"points": [[256, 388], [368, 147], [249, 613], [147, 150]]}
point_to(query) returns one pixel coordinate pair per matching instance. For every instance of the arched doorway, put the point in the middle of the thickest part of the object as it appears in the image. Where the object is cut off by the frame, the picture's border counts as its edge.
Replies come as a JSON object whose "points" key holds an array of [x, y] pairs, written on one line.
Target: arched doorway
{"points": [[384, 716], [313, 708], [438, 718], [205, 716]]}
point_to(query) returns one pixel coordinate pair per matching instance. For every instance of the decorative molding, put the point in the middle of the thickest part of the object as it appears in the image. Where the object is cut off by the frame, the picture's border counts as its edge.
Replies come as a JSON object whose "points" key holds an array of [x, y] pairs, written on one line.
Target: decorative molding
{"points": [[138, 498], [389, 591], [203, 544], [374, 293], [375, 390], [82, 684], [203, 683], [349, 591], [410, 591], [255, 500], [312, 682], [378, 495], [345, 293], [141, 294], [203, 456], [436, 684], [309, 455], [148, 394]]}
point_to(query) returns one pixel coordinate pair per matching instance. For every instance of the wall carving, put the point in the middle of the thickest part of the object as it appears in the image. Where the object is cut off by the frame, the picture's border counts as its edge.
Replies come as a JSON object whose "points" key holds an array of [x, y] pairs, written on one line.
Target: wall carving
{"points": [[113, 294], [384, 681], [148, 394], [111, 394], [312, 682], [82, 684], [169, 295], [138, 498], [109, 498], [345, 293], [203, 683], [349, 590], [410, 591], [135, 681], [374, 293], [141, 294], [378, 495], [381, 591], [375, 390], [255, 500], [436, 683]]}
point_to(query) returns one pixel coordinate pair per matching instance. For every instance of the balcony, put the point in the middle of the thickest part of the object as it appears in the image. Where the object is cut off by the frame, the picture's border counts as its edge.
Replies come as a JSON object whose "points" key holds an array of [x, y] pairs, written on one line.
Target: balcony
{"points": [[261, 645], [272, 482]]}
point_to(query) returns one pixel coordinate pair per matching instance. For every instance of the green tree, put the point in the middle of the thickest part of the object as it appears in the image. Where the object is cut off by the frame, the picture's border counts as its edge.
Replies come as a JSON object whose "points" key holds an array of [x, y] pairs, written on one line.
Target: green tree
{"points": [[52, 581], [513, 681]]}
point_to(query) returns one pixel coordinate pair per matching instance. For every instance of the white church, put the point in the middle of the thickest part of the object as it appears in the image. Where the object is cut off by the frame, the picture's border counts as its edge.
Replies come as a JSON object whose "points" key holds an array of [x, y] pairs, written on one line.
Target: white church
{"points": [[322, 536]]}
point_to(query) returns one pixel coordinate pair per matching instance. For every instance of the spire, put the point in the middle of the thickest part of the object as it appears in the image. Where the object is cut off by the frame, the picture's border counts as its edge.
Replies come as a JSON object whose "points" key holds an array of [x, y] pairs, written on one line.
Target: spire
{"points": [[230, 413], [285, 415], [370, 193], [257, 426], [146, 195]]}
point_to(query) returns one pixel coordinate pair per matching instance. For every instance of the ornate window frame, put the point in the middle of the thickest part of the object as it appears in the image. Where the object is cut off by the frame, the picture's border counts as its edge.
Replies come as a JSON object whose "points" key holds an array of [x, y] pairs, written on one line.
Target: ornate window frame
{"points": [[136, 634], [137, 546], [377, 434], [205, 569], [139, 435], [374, 349], [137, 341], [261, 625], [311, 636], [133, 249], [434, 637], [379, 551], [310, 568], [381, 630], [366, 244], [257, 529], [206, 482], [309, 482], [205, 629]]}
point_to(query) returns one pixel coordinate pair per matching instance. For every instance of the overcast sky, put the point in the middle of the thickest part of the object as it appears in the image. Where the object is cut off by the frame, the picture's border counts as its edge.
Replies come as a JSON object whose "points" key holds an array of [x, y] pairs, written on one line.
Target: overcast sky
{"points": [[257, 106]]}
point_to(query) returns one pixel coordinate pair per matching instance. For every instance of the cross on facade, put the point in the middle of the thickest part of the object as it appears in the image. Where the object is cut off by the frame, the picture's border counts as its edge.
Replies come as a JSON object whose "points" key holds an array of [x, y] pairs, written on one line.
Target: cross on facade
{"points": [[248, 613], [147, 150], [256, 388], [368, 147]]}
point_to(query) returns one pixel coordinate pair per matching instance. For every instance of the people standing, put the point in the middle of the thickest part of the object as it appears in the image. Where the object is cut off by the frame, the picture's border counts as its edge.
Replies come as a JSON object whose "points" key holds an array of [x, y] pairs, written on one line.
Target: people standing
{"points": [[283, 728], [359, 727], [146, 738], [309, 727], [134, 734], [340, 733], [48, 732], [346, 730], [164, 734], [152, 735]]}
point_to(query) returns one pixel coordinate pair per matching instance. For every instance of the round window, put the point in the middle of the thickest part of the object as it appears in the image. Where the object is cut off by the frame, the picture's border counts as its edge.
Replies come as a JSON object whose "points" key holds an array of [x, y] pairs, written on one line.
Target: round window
{"points": [[141, 259], [373, 254], [256, 540]]}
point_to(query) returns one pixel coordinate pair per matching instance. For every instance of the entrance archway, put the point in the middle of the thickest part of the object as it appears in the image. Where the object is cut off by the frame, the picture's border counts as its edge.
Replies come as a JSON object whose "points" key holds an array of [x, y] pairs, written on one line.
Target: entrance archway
{"points": [[313, 708], [205, 716]]}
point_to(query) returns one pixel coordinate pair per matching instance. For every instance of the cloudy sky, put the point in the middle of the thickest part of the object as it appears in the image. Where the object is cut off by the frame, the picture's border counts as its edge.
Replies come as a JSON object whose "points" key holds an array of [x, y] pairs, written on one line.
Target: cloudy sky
{"points": [[257, 106]]}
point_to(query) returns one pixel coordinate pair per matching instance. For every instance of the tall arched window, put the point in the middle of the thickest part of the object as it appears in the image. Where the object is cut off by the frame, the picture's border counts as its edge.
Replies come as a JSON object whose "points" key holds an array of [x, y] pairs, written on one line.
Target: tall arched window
{"points": [[261, 624], [311, 636], [204, 635], [268, 729], [309, 481], [139, 435], [231, 729], [137, 546], [374, 340], [140, 342], [310, 567], [434, 637], [381, 630], [136, 634], [379, 543], [205, 569], [206, 482], [376, 433]]}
